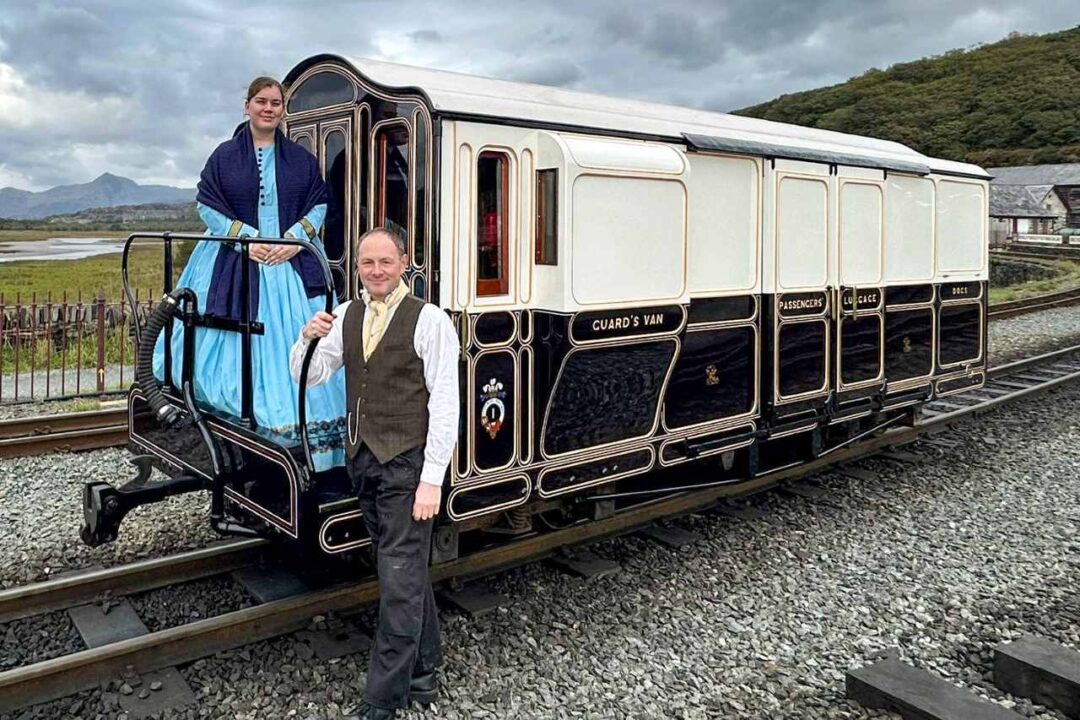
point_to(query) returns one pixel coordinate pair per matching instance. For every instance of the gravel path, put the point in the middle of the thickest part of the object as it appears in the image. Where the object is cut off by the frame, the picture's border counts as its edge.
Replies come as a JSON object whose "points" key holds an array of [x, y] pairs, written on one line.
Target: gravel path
{"points": [[50, 381]]}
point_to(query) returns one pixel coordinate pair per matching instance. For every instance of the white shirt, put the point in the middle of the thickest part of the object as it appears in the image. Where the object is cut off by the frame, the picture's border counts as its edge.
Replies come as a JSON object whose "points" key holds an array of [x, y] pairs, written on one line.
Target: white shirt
{"points": [[436, 344]]}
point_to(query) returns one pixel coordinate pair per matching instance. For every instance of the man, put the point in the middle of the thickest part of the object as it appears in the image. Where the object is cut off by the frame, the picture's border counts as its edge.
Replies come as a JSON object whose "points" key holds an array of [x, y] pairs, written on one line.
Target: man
{"points": [[401, 376]]}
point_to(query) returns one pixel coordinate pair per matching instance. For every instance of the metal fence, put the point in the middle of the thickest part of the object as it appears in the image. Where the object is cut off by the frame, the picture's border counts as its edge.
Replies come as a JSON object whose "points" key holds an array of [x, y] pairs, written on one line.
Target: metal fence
{"points": [[62, 348]]}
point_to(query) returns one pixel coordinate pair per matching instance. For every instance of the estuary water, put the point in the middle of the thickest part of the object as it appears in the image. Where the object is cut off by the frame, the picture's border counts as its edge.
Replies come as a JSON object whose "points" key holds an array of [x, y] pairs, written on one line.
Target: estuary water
{"points": [[58, 248]]}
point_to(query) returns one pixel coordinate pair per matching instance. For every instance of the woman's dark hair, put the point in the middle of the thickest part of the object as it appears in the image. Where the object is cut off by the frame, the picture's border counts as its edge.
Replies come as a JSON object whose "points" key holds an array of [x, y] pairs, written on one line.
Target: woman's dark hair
{"points": [[261, 83]]}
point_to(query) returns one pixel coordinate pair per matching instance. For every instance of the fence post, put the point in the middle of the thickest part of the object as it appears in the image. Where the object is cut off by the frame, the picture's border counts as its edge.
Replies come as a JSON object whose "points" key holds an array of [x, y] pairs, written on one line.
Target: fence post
{"points": [[101, 341]]}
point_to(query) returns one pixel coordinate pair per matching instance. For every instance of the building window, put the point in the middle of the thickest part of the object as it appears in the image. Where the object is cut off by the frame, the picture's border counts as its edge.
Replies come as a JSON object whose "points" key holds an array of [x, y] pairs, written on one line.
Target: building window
{"points": [[392, 179], [547, 217], [492, 257]]}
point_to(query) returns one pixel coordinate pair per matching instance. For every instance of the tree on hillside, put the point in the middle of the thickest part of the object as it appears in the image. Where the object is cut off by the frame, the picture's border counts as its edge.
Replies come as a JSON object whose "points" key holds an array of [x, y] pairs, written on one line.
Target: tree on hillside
{"points": [[1014, 102]]}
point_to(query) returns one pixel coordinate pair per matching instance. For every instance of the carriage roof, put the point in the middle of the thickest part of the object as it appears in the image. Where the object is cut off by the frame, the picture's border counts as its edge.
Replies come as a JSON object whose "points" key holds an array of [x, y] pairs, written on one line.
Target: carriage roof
{"points": [[472, 96]]}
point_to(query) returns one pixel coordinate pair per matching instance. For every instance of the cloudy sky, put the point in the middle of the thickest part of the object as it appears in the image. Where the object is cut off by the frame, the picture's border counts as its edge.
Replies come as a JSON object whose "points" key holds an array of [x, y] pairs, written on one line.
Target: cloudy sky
{"points": [[146, 88]]}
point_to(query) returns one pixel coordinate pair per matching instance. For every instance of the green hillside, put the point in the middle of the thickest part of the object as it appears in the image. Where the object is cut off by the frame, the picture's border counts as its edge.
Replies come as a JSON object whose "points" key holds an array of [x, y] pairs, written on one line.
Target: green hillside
{"points": [[1015, 102]]}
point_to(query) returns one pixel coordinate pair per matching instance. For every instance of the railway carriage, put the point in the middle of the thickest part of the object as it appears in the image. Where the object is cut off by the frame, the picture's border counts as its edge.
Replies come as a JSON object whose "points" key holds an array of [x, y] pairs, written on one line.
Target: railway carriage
{"points": [[641, 292]]}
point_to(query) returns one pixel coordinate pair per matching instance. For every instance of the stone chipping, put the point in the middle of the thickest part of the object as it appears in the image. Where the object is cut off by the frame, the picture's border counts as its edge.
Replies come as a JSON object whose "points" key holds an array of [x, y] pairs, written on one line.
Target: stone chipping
{"points": [[933, 561]]}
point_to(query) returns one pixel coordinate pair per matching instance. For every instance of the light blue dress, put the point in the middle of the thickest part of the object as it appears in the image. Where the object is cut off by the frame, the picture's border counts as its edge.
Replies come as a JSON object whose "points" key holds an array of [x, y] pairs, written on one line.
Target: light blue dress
{"points": [[284, 307]]}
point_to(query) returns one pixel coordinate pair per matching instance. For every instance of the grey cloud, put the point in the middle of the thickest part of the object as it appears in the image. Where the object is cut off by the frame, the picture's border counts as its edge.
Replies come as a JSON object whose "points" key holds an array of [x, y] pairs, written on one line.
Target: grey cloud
{"points": [[558, 73], [183, 65], [425, 36]]}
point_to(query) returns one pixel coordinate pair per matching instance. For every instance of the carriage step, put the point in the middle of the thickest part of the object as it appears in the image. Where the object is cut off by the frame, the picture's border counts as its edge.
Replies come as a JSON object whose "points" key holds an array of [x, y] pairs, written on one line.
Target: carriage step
{"points": [[918, 695], [1042, 670]]}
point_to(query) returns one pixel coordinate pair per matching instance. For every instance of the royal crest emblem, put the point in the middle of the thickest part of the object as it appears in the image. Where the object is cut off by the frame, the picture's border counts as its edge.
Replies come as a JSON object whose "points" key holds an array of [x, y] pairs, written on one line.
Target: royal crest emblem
{"points": [[492, 409], [712, 375]]}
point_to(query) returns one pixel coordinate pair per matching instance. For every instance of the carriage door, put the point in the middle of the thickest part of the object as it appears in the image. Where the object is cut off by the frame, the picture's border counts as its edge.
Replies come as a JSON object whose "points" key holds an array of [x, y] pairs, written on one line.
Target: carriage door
{"points": [[331, 140], [801, 325], [859, 297], [399, 155]]}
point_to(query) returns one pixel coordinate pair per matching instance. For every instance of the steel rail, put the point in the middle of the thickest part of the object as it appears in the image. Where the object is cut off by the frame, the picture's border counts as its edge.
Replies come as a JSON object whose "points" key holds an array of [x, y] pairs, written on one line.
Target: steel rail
{"points": [[50, 679], [64, 431], [82, 587]]}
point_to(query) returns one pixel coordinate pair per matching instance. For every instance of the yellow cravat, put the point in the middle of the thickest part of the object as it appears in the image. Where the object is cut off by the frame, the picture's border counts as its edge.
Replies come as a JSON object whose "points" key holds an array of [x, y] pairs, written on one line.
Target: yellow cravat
{"points": [[378, 311]]}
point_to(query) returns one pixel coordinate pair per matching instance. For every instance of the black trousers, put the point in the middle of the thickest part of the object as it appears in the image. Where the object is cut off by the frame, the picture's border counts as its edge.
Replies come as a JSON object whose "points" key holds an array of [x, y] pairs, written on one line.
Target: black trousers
{"points": [[407, 639]]}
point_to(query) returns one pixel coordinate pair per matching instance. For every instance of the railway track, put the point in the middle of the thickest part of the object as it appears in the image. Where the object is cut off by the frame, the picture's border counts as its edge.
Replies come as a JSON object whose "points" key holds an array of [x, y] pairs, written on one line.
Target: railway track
{"points": [[50, 679], [999, 311], [64, 432]]}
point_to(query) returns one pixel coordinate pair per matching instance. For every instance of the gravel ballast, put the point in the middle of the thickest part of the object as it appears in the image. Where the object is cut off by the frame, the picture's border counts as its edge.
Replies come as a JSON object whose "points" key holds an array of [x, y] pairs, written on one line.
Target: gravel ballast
{"points": [[934, 562]]}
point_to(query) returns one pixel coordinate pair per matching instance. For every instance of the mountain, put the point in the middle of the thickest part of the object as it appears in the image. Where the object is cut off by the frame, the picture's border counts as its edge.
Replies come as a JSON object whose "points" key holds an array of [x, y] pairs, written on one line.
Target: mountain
{"points": [[107, 190], [1013, 102]]}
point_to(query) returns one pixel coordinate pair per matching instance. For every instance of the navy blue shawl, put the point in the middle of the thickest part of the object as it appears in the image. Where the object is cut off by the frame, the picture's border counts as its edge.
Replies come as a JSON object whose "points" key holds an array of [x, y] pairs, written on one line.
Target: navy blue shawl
{"points": [[230, 184]]}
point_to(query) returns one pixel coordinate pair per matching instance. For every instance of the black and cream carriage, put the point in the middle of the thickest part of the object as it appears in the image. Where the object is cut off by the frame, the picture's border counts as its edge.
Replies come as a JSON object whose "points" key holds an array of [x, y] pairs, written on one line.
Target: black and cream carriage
{"points": [[636, 287]]}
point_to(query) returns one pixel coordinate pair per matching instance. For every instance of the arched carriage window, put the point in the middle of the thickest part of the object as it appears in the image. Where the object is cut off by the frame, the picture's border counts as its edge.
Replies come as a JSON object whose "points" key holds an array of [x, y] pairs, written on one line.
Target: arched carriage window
{"points": [[304, 141], [492, 220], [392, 178], [322, 90]]}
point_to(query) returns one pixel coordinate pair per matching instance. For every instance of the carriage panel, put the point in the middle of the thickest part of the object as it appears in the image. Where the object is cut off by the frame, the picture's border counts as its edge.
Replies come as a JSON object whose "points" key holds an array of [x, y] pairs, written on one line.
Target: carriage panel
{"points": [[606, 395], [961, 226], [629, 240], [724, 239]]}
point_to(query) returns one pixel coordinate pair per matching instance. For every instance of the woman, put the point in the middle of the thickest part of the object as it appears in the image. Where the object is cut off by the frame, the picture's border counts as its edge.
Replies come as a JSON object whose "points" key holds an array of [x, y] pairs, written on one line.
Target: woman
{"points": [[261, 184]]}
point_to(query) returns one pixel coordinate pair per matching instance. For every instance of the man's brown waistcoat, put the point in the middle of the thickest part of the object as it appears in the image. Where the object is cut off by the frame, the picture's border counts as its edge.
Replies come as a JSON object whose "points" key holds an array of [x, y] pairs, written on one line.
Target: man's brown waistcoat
{"points": [[387, 394]]}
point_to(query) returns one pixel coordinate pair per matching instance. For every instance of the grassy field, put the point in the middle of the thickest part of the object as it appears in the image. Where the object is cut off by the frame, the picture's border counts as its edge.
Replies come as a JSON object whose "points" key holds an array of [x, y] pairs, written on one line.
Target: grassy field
{"points": [[88, 275]]}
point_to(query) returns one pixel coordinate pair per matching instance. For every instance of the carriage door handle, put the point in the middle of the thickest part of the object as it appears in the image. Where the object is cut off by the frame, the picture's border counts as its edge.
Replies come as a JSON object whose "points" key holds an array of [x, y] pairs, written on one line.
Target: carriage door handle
{"points": [[464, 334]]}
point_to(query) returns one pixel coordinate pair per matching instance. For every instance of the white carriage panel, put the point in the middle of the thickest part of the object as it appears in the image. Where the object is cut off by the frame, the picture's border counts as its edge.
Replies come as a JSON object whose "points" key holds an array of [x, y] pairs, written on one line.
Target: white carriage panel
{"points": [[628, 240], [527, 220], [447, 219], [860, 233], [909, 229], [463, 239], [724, 240], [961, 226], [623, 156], [802, 231], [550, 281]]}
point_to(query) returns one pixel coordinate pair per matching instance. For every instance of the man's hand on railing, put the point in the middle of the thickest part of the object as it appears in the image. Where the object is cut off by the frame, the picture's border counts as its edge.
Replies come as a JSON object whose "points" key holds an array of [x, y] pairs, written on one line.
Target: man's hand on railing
{"points": [[318, 326]]}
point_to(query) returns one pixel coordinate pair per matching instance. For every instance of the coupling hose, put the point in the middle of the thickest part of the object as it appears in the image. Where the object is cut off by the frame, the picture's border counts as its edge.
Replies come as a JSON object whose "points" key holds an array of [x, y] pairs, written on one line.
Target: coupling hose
{"points": [[166, 413]]}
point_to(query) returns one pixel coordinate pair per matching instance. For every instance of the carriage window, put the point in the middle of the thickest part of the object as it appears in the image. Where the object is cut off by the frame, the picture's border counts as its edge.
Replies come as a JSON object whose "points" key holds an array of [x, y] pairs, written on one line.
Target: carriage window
{"points": [[304, 141], [492, 261], [547, 217], [320, 90], [392, 175]]}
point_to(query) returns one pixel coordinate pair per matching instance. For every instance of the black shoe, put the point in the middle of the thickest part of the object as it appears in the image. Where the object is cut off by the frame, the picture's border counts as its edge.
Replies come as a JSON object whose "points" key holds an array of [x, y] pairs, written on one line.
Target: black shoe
{"points": [[424, 688], [370, 712]]}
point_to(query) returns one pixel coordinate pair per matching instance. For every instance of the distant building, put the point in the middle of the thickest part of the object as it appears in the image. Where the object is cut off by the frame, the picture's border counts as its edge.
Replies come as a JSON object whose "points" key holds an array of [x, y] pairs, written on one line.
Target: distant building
{"points": [[1034, 199]]}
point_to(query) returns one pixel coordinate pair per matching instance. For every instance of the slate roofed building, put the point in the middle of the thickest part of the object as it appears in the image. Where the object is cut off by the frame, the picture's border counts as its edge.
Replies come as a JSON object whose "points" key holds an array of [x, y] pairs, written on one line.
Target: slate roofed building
{"points": [[1034, 199]]}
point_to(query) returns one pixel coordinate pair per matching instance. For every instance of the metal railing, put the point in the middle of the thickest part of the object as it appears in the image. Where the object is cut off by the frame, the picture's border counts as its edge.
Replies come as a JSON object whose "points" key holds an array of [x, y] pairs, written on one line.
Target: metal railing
{"points": [[67, 347]]}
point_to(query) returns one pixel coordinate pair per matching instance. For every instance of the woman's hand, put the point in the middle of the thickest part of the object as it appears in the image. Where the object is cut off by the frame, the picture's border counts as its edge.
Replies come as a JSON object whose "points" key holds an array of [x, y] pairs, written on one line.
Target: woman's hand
{"points": [[272, 254], [281, 253], [260, 252]]}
